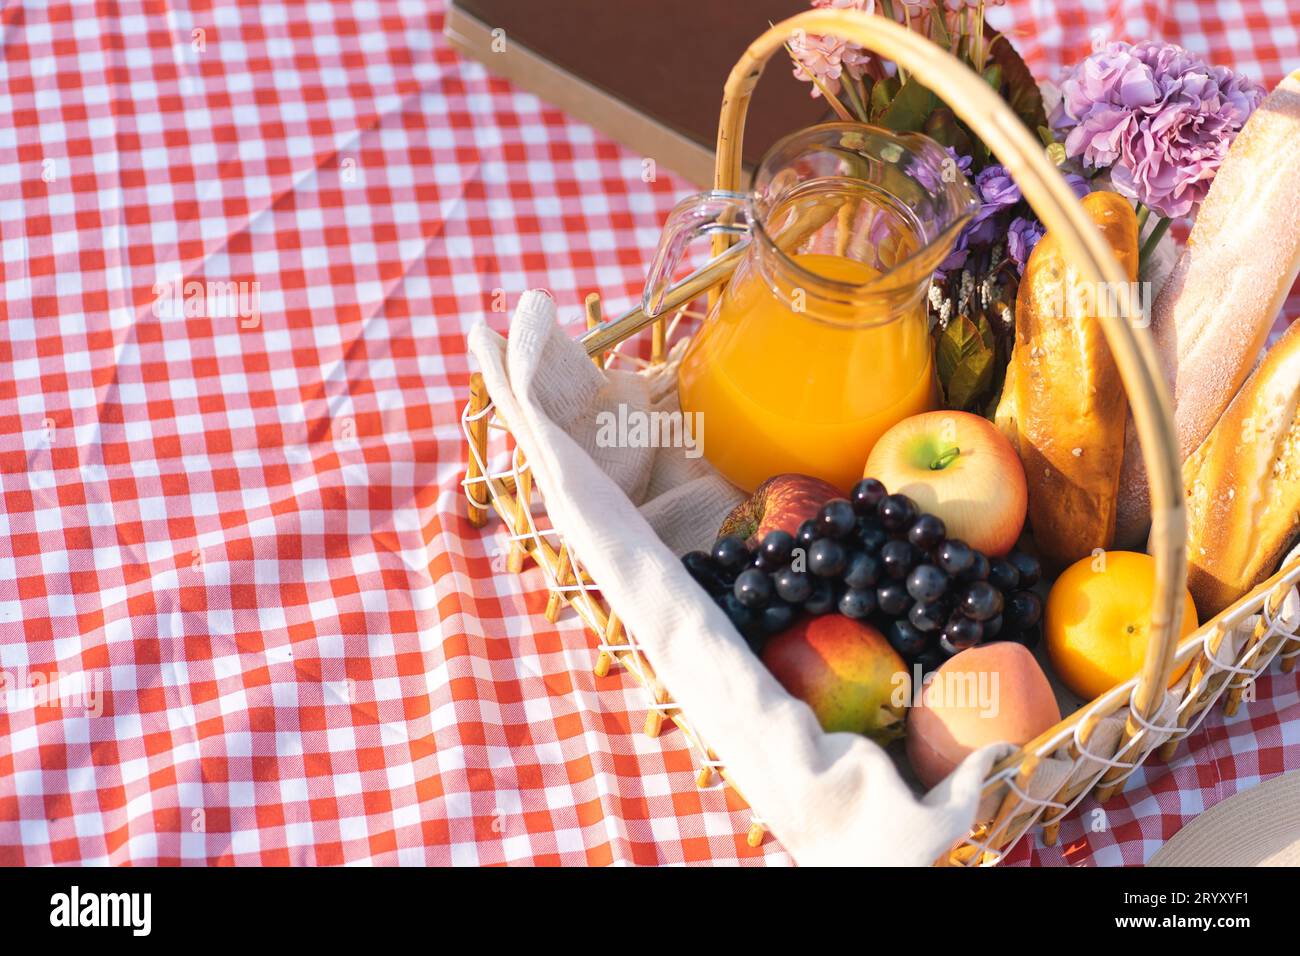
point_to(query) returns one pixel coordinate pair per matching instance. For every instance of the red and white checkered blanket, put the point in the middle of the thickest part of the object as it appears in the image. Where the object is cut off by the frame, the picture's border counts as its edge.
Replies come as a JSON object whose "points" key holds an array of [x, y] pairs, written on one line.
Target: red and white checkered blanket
{"points": [[243, 618]]}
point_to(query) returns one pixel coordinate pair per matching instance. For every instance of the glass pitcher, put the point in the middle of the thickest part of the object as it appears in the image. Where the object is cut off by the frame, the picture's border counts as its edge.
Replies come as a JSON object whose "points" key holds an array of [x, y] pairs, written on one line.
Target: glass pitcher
{"points": [[819, 343]]}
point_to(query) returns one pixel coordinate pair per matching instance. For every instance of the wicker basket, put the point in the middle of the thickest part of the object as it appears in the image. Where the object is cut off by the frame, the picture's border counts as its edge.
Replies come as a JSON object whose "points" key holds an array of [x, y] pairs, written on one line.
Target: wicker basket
{"points": [[498, 478]]}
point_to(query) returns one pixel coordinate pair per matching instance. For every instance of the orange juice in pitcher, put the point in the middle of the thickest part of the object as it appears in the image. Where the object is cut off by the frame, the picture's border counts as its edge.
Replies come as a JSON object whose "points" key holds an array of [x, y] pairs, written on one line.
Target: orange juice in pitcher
{"points": [[819, 343]]}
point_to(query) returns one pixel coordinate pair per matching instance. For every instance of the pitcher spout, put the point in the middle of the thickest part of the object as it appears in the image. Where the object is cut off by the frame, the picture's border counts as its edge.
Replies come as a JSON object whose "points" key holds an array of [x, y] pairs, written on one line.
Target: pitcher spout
{"points": [[895, 201]]}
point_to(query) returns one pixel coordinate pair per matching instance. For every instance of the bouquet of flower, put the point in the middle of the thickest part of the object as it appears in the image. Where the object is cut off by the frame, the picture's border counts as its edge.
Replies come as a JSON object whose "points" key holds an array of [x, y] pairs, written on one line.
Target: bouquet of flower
{"points": [[1150, 121]]}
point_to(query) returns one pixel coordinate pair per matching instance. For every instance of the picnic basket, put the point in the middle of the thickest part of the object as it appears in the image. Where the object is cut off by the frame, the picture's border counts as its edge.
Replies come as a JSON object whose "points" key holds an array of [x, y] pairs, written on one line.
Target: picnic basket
{"points": [[1013, 807]]}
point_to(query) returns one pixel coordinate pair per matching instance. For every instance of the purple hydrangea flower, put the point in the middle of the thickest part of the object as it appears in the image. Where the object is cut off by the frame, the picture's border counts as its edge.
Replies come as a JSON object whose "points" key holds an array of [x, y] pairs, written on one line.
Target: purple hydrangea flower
{"points": [[1159, 116], [1021, 239]]}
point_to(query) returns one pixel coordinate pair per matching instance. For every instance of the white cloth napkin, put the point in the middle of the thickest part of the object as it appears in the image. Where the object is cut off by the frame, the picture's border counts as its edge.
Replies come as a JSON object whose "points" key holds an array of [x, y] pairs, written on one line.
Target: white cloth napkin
{"points": [[831, 799]]}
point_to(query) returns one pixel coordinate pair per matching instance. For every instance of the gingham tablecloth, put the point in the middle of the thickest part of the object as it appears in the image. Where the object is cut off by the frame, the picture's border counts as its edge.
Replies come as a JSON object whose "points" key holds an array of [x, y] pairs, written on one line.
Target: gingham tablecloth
{"points": [[243, 618]]}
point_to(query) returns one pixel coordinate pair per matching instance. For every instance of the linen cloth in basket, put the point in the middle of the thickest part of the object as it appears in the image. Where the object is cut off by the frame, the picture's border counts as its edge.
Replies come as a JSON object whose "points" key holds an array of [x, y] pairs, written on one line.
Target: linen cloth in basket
{"points": [[627, 513]]}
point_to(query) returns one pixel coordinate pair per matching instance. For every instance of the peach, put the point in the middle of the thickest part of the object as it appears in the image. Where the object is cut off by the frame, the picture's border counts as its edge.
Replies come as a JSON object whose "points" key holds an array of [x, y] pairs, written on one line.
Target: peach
{"points": [[988, 694]]}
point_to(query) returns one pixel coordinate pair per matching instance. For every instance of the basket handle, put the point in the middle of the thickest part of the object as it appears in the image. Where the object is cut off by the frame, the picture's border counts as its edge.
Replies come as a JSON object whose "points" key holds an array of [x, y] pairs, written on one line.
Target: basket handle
{"points": [[1051, 198]]}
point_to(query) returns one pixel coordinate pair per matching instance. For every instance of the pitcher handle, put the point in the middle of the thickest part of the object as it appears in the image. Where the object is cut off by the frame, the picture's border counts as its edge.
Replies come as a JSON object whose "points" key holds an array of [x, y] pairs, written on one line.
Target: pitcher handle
{"points": [[704, 214]]}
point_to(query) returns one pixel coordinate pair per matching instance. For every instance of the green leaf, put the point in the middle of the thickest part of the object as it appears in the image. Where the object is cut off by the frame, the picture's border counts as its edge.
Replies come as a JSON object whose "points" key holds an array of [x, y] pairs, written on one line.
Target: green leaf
{"points": [[944, 128], [965, 361], [993, 76], [852, 94], [938, 31], [1046, 136], [910, 108], [986, 331], [1020, 89], [882, 94], [991, 406]]}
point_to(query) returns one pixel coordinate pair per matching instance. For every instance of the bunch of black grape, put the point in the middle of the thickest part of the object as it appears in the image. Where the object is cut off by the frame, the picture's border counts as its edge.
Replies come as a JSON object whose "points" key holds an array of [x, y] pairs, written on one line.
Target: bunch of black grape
{"points": [[875, 557]]}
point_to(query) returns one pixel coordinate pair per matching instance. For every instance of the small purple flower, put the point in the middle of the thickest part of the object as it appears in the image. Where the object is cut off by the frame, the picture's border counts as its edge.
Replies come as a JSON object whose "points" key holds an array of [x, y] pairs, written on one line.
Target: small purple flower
{"points": [[998, 191], [957, 258], [1021, 239], [1080, 185], [963, 162], [1159, 116], [996, 186]]}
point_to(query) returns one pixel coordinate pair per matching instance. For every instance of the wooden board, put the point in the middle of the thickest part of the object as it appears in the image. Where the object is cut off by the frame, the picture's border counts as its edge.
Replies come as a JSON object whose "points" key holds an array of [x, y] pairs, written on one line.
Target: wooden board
{"points": [[649, 75]]}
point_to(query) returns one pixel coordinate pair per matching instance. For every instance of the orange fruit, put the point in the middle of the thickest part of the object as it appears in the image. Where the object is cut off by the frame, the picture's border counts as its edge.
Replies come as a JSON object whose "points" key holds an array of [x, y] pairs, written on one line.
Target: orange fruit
{"points": [[1098, 620]]}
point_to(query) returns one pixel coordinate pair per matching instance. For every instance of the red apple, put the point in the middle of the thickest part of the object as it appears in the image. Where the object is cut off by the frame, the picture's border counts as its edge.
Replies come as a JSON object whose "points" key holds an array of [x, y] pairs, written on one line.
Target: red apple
{"points": [[846, 672], [782, 502], [960, 467]]}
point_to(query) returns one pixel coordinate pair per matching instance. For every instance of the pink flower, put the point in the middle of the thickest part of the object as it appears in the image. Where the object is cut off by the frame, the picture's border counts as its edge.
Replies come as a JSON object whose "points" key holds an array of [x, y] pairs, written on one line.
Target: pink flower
{"points": [[957, 6], [818, 58], [827, 58], [918, 11], [866, 6]]}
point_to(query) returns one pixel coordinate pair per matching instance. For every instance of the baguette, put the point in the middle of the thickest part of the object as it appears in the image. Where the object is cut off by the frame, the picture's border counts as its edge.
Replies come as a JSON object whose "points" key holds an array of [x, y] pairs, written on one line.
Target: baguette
{"points": [[1213, 316], [1063, 406], [1243, 484]]}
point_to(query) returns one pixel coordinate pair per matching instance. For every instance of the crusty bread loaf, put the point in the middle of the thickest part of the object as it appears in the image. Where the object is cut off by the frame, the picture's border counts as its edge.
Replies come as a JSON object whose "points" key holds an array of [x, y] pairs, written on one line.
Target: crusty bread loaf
{"points": [[1213, 316], [1243, 484], [1063, 406]]}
